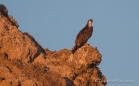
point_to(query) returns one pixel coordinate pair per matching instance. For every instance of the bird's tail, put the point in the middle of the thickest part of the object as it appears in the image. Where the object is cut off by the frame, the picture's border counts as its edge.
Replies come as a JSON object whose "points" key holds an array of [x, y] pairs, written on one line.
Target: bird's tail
{"points": [[74, 48]]}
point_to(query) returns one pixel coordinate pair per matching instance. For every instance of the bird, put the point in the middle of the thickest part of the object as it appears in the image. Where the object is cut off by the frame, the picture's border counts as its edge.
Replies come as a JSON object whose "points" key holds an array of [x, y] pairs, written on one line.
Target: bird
{"points": [[83, 35]]}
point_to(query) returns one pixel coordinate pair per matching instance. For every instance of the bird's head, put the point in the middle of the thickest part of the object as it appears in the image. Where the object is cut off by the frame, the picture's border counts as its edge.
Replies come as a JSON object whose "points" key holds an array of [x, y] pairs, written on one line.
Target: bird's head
{"points": [[90, 22]]}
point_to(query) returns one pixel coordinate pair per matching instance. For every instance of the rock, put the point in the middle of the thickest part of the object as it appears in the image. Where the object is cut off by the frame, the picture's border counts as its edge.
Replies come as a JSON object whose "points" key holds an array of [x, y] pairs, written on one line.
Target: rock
{"points": [[23, 62], [6, 77], [3, 10], [82, 69], [15, 44]]}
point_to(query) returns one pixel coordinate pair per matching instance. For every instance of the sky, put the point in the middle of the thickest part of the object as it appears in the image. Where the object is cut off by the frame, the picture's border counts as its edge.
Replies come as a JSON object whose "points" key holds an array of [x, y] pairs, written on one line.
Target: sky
{"points": [[55, 23]]}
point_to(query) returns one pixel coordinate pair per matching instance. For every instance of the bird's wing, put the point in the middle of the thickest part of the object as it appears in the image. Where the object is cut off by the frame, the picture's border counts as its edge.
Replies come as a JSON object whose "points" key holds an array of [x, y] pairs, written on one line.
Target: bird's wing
{"points": [[80, 34], [84, 34]]}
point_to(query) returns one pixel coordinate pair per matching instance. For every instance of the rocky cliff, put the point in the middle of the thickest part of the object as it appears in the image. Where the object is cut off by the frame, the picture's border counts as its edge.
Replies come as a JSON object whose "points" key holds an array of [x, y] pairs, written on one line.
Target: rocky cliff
{"points": [[23, 62]]}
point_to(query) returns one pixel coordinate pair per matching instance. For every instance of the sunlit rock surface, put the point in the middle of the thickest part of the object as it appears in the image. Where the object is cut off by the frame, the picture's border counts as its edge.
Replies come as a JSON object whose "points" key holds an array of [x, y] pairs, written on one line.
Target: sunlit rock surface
{"points": [[23, 62]]}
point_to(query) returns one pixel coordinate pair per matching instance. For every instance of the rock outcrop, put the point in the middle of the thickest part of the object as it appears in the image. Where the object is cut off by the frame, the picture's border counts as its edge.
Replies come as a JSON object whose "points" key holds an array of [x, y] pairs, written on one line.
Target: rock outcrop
{"points": [[23, 62], [14, 43]]}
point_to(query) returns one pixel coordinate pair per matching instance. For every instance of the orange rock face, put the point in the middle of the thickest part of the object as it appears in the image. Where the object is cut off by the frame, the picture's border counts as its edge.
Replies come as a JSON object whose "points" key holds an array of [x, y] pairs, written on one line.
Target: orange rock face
{"points": [[23, 62]]}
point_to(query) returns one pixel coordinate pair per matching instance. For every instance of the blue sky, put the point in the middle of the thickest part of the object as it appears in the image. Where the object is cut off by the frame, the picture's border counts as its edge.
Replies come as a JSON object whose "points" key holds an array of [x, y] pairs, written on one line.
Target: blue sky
{"points": [[55, 24]]}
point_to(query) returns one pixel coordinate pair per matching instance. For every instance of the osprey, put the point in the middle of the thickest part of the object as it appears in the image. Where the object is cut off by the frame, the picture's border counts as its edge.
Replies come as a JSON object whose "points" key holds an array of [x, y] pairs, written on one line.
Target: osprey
{"points": [[83, 35]]}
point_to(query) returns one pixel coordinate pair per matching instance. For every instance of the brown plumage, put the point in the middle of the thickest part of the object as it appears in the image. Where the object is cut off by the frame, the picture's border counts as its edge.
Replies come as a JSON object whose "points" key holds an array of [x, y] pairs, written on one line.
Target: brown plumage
{"points": [[83, 35]]}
